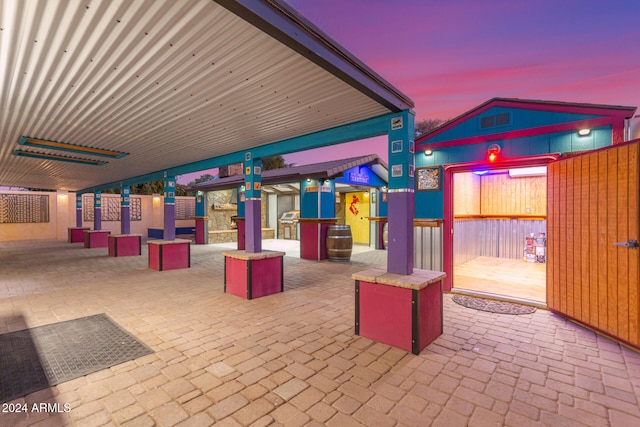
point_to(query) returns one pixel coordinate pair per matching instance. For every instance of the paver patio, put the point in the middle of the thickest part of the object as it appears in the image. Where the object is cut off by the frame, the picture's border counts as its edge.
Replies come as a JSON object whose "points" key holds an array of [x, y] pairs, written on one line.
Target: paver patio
{"points": [[292, 358]]}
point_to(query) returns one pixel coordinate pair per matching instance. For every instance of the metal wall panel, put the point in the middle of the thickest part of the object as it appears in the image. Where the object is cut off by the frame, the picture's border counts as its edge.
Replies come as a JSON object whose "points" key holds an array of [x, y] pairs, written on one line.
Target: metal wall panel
{"points": [[427, 248], [499, 238]]}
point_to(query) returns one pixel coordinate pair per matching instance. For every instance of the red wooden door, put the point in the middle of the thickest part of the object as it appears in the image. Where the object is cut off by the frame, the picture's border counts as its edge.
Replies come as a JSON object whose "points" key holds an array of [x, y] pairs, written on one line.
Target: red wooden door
{"points": [[593, 222]]}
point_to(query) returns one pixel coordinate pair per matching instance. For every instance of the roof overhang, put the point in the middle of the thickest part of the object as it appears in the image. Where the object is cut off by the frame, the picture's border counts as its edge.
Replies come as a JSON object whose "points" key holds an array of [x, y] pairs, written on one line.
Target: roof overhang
{"points": [[608, 113], [325, 170], [178, 86]]}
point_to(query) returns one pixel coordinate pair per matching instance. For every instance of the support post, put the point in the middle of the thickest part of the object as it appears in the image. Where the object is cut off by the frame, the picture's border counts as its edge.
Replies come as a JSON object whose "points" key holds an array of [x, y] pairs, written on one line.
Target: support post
{"points": [[78, 210], [253, 217], [97, 210], [169, 207], [125, 209], [401, 197], [202, 221]]}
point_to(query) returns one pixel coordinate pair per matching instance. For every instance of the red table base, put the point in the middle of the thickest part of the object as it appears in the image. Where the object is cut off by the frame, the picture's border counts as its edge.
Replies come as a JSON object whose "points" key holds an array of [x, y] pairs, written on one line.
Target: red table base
{"points": [[253, 275], [76, 234], [402, 311], [125, 245], [169, 254], [96, 238]]}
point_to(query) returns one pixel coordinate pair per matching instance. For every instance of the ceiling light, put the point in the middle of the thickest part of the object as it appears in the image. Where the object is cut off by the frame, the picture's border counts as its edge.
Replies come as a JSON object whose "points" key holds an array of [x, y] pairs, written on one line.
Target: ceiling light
{"points": [[531, 171], [63, 146], [58, 157]]}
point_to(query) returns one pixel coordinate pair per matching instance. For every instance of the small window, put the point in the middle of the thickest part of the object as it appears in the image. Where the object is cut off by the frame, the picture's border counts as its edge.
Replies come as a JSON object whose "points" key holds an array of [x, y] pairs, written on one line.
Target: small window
{"points": [[502, 119], [487, 122]]}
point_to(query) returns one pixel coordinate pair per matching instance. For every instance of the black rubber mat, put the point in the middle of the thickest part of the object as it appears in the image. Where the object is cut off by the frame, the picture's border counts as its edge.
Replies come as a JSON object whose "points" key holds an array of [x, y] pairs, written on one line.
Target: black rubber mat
{"points": [[37, 358]]}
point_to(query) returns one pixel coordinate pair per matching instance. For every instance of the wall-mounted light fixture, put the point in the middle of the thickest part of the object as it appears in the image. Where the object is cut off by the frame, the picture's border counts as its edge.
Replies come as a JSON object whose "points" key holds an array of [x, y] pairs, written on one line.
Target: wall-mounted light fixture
{"points": [[156, 197], [428, 152], [493, 151], [584, 132]]}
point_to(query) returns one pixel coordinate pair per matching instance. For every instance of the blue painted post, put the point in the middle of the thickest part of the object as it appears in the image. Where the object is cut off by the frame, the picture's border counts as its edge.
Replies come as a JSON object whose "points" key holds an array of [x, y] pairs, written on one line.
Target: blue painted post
{"points": [[401, 197], [240, 220], [97, 210], [327, 194], [201, 209], [202, 221], [125, 209], [240, 201], [253, 217], [169, 207], [78, 210]]}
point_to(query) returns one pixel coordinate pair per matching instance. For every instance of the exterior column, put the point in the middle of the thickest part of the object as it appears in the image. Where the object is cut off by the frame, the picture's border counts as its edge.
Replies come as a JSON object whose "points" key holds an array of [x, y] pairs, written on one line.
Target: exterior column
{"points": [[97, 210], [125, 209], [252, 203], [169, 207], [202, 223], [78, 210], [401, 197], [240, 223]]}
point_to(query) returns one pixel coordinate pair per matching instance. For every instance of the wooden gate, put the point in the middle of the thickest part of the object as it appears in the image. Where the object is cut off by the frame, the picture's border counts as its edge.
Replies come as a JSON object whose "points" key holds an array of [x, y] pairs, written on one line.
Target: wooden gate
{"points": [[593, 226]]}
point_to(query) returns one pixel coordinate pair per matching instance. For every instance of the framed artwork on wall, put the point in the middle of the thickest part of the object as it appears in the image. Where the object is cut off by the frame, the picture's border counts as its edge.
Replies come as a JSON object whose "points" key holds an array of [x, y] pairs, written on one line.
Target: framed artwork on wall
{"points": [[429, 178], [396, 146]]}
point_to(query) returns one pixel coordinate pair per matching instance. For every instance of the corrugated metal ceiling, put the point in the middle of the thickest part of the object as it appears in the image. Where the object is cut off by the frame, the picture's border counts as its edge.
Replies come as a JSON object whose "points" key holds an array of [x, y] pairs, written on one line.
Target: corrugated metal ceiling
{"points": [[169, 82]]}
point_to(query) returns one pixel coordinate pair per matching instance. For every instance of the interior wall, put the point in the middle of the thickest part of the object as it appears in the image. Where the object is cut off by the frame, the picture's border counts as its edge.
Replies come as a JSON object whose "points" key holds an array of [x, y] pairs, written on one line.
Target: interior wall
{"points": [[466, 194], [478, 200], [499, 194], [503, 195]]}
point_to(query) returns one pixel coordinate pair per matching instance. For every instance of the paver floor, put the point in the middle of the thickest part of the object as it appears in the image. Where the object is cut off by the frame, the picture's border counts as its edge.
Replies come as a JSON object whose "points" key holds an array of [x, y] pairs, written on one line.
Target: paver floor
{"points": [[292, 358]]}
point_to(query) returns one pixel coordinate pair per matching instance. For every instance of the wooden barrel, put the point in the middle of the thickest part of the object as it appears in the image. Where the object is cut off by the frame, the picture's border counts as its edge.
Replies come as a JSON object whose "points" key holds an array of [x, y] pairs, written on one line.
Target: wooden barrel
{"points": [[385, 235], [339, 242]]}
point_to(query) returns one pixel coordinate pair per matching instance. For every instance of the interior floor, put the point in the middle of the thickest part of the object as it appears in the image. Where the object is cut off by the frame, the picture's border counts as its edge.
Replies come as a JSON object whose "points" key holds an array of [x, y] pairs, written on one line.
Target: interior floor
{"points": [[502, 276]]}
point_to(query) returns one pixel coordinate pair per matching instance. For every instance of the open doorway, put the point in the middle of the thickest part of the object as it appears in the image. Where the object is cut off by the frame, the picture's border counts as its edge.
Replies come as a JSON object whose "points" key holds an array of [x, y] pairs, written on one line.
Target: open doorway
{"points": [[499, 240]]}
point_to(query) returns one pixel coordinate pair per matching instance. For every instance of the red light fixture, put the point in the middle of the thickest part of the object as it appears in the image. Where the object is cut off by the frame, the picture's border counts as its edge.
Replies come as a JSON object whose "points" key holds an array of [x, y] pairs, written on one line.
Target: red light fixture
{"points": [[493, 151]]}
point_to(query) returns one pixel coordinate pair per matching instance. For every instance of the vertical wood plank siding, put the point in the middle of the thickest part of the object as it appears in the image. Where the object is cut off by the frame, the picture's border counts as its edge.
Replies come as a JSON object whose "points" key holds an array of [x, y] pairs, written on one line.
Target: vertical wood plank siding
{"points": [[594, 202]]}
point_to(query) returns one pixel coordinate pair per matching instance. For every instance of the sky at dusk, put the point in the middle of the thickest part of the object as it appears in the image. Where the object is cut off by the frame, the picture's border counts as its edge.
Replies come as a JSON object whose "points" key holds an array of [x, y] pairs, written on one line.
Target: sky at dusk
{"points": [[450, 56]]}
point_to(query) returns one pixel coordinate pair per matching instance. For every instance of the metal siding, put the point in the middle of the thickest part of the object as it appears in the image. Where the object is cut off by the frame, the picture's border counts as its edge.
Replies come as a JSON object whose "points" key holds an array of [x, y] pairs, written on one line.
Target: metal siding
{"points": [[428, 248]]}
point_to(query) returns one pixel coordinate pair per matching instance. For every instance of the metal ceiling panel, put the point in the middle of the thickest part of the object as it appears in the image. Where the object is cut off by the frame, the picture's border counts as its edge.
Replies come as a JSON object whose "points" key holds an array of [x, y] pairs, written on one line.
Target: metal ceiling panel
{"points": [[169, 82]]}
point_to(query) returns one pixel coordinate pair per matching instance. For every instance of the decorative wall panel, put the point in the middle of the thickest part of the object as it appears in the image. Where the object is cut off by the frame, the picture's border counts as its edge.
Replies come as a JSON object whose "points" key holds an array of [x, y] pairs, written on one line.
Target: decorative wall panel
{"points": [[185, 208], [111, 208], [23, 208]]}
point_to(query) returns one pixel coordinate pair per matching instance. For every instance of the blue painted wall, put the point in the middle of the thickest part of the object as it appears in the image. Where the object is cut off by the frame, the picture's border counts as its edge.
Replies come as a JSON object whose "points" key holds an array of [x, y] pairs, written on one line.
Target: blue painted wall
{"points": [[383, 205], [309, 199], [519, 119], [327, 200], [431, 204]]}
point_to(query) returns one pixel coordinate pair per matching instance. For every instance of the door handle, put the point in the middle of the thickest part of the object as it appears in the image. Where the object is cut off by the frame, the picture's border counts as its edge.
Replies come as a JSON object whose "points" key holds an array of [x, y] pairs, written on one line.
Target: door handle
{"points": [[631, 244]]}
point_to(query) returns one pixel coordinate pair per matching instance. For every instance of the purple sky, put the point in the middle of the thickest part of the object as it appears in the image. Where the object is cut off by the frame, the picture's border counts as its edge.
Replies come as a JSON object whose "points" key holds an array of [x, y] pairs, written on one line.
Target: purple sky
{"points": [[450, 56]]}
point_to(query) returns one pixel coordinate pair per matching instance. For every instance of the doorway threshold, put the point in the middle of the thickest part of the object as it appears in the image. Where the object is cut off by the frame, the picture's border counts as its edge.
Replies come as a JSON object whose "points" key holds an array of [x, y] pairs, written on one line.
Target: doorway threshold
{"points": [[523, 301]]}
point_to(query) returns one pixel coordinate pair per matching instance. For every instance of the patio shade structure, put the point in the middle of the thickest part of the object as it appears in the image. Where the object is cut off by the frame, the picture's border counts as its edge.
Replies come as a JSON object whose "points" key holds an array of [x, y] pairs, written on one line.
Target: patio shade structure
{"points": [[101, 94], [110, 94]]}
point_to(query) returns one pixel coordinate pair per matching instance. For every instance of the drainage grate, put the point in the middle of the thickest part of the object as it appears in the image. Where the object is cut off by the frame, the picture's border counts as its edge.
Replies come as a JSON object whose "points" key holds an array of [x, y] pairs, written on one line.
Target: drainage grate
{"points": [[40, 357]]}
